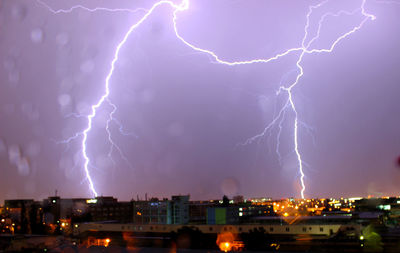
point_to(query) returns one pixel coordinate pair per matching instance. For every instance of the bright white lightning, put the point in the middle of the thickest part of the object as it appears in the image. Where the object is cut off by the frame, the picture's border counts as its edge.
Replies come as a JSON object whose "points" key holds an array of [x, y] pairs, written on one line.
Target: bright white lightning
{"points": [[121, 131], [302, 50], [77, 7]]}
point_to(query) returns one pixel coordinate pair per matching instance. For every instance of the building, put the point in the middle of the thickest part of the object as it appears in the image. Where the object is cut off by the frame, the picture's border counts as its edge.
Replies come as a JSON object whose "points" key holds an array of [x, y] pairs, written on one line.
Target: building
{"points": [[178, 211], [198, 211], [110, 209], [154, 211]]}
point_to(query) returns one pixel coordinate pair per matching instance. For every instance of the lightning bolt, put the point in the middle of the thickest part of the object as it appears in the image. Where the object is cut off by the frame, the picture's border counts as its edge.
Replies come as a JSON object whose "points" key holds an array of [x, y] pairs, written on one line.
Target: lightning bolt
{"points": [[121, 131], [302, 50], [81, 7], [305, 49]]}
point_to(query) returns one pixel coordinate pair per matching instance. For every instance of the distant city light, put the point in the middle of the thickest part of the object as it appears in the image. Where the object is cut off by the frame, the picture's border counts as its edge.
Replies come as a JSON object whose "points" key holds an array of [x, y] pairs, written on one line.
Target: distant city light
{"points": [[91, 201]]}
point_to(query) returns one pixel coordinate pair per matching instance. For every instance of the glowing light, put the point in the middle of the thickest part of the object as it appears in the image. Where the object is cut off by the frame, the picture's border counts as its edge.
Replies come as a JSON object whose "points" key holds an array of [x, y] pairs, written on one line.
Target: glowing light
{"points": [[225, 246], [303, 49], [91, 201]]}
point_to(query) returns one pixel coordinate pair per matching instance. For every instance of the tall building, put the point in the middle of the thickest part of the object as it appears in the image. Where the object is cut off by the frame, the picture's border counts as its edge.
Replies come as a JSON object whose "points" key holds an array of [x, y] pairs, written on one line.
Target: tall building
{"points": [[178, 211]]}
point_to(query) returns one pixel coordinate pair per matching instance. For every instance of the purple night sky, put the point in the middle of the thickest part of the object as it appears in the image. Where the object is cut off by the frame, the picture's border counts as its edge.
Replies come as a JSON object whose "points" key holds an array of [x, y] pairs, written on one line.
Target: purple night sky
{"points": [[184, 116]]}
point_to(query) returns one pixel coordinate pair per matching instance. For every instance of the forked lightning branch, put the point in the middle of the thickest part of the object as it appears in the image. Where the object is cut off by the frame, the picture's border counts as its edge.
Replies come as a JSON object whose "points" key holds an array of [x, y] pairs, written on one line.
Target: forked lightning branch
{"points": [[304, 48]]}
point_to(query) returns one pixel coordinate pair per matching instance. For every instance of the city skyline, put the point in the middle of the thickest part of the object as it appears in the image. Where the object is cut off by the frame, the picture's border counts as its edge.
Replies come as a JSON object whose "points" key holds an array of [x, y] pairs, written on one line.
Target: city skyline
{"points": [[181, 118]]}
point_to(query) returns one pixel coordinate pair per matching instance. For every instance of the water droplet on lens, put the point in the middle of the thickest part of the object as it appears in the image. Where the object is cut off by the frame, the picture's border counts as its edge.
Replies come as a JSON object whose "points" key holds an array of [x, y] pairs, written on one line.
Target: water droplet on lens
{"points": [[14, 154], [64, 100], [230, 186], [23, 167], [9, 64], [175, 129], [34, 115], [13, 77], [87, 66], [18, 12], [37, 35], [3, 147], [66, 84], [9, 108], [27, 108], [62, 39], [33, 149], [83, 108]]}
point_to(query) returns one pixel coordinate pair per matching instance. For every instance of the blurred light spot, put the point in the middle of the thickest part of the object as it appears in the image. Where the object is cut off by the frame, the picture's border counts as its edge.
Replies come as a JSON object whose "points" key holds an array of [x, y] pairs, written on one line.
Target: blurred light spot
{"points": [[9, 108], [90, 52], [14, 51], [82, 108], [13, 76], [147, 96], [66, 164], [66, 84], [3, 147], [230, 186], [62, 39], [265, 104], [18, 12], [38, 130], [33, 149], [176, 129], [14, 154], [34, 115], [64, 100], [26, 108], [29, 111], [77, 157], [289, 163], [37, 35], [103, 162], [9, 64], [87, 66], [69, 172]]}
